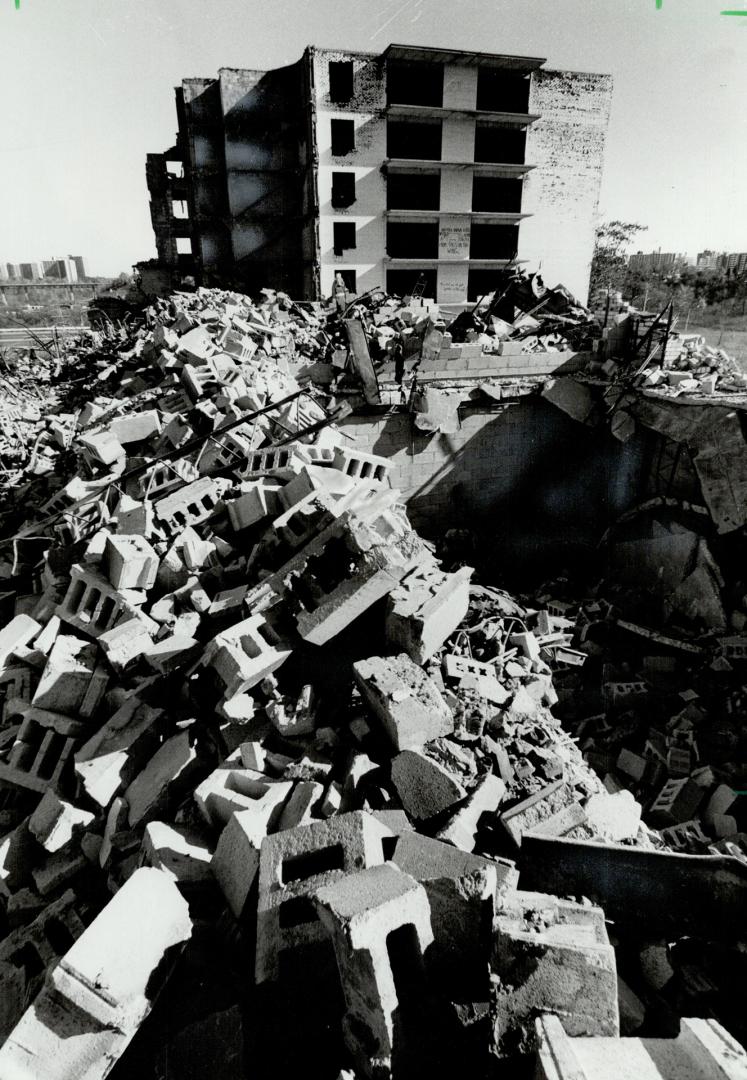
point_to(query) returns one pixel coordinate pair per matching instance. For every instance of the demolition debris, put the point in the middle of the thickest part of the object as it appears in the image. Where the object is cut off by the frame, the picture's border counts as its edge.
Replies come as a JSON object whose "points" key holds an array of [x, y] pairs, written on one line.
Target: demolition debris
{"points": [[279, 790]]}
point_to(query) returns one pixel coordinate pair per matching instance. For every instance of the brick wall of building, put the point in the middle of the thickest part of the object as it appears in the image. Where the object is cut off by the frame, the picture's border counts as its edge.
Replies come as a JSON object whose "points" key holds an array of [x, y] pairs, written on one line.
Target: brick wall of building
{"points": [[567, 147]]}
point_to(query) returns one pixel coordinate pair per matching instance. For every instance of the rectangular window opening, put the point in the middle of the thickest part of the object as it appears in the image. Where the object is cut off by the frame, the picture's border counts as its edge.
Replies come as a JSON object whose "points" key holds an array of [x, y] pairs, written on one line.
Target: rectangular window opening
{"points": [[343, 236], [343, 137], [343, 189], [340, 80], [501, 91], [349, 279], [417, 191], [493, 241], [418, 140], [502, 145], [402, 282], [412, 239], [493, 194], [415, 83]]}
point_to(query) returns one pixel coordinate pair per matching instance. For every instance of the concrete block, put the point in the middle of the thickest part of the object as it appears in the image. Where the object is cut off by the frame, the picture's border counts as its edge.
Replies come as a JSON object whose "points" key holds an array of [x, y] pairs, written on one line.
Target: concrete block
{"points": [[19, 631], [92, 605], [193, 504], [72, 682], [245, 654], [258, 499], [362, 466], [404, 699], [424, 786], [125, 643], [484, 799], [54, 822], [293, 864], [425, 609], [300, 806], [551, 955], [677, 801], [379, 920], [228, 790], [169, 772], [134, 427], [532, 811], [39, 756], [111, 758], [180, 852], [702, 1050], [613, 816], [130, 562], [103, 988]]}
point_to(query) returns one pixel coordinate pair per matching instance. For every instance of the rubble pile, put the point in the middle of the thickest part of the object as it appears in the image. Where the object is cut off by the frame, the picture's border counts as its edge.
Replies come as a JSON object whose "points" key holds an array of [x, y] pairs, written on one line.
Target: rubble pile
{"points": [[679, 751], [639, 350], [255, 735]]}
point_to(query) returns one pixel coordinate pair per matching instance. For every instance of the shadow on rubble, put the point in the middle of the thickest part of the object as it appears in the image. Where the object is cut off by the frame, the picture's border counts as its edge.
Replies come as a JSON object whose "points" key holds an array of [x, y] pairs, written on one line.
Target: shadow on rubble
{"points": [[536, 489]]}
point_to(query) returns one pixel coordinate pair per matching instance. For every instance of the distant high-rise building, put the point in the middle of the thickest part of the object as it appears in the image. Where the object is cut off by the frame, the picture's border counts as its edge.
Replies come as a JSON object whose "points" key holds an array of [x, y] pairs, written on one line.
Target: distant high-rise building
{"points": [[707, 260], [80, 266], [656, 261]]}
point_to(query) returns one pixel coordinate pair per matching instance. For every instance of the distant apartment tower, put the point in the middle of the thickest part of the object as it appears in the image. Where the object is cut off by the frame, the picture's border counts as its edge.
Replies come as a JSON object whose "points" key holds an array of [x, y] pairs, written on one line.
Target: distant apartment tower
{"points": [[383, 167], [707, 260], [734, 262], [659, 261]]}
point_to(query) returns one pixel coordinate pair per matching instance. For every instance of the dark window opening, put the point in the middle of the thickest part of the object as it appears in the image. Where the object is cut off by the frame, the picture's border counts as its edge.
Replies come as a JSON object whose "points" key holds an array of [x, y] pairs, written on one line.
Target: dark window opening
{"points": [[296, 912], [343, 233], [343, 188], [406, 962], [415, 84], [412, 239], [421, 191], [497, 195], [301, 867], [402, 282], [481, 281], [417, 140], [498, 91], [348, 277], [340, 80], [500, 144], [493, 241], [343, 137]]}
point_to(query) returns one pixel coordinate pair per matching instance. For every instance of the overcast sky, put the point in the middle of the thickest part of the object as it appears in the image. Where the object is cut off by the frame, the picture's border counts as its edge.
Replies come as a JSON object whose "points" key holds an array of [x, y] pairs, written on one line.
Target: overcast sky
{"points": [[87, 90]]}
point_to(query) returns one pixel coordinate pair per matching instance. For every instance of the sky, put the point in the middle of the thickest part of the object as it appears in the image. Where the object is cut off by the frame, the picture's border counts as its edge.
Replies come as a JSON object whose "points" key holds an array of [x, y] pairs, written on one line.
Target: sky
{"points": [[87, 90]]}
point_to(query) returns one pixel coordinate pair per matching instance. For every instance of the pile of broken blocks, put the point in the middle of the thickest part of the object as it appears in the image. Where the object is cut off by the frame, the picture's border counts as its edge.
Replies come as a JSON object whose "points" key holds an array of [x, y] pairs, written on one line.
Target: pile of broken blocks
{"points": [[242, 698]]}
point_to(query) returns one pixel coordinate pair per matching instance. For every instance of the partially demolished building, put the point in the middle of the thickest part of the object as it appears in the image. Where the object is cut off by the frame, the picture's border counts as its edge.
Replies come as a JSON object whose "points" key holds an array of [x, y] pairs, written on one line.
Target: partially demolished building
{"points": [[382, 168], [287, 787]]}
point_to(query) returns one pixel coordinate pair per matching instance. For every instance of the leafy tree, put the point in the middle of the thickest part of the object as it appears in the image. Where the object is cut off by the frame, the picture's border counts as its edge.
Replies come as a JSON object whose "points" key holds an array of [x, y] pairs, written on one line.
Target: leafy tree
{"points": [[609, 267]]}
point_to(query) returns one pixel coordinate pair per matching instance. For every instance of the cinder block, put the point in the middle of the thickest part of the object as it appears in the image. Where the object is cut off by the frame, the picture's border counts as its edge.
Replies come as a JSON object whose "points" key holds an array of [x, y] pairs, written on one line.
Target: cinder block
{"points": [[424, 786], [404, 699], [178, 851], [293, 864], [54, 822], [527, 959], [97, 996], [245, 654], [130, 562], [379, 921]]}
